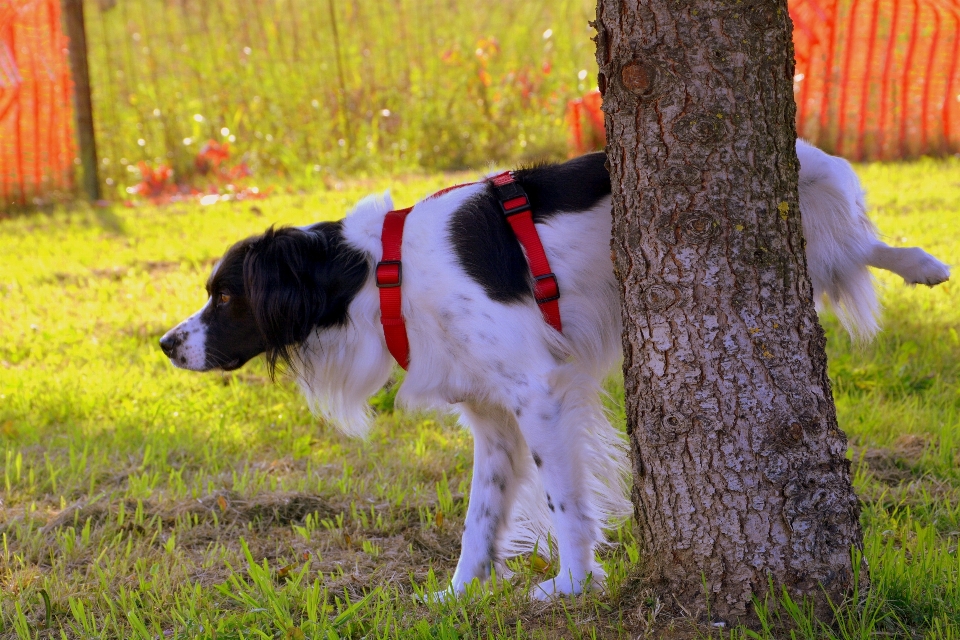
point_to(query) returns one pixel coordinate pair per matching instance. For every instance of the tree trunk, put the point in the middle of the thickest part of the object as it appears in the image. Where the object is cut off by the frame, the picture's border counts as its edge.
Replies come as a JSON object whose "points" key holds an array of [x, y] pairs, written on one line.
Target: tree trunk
{"points": [[82, 102], [740, 471]]}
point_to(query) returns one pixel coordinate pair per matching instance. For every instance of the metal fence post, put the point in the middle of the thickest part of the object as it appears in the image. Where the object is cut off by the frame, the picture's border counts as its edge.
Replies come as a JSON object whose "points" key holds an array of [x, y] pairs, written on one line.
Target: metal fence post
{"points": [[83, 106]]}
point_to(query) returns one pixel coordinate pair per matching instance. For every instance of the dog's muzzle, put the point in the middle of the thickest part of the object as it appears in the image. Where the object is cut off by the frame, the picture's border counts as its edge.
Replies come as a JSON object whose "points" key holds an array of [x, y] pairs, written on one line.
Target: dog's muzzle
{"points": [[185, 345]]}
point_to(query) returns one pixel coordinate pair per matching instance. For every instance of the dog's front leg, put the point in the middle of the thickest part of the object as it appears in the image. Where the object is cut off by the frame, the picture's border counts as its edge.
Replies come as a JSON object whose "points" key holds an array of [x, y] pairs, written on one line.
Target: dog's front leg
{"points": [[496, 446]]}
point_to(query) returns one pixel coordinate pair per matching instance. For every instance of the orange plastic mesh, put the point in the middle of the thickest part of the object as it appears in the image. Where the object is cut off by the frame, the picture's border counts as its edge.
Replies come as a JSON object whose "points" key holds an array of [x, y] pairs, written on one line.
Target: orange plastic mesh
{"points": [[36, 127], [878, 79], [875, 79]]}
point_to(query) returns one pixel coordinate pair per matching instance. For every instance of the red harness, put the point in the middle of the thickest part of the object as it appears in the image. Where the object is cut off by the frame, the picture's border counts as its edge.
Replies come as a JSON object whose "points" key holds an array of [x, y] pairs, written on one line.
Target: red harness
{"points": [[389, 273]]}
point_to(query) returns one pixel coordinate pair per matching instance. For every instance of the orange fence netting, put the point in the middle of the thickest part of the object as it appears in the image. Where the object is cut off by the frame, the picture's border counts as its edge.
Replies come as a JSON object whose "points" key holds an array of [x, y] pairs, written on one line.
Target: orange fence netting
{"points": [[36, 133], [878, 79], [875, 79]]}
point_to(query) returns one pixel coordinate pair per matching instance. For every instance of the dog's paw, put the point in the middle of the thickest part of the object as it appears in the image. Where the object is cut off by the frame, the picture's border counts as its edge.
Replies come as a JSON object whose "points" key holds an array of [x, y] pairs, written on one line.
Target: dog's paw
{"points": [[566, 585], [444, 595], [923, 268], [932, 272], [453, 592], [432, 597]]}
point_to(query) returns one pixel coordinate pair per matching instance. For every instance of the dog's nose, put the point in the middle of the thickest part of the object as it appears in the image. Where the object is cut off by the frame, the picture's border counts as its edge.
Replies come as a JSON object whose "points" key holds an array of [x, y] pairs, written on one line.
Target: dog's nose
{"points": [[169, 343]]}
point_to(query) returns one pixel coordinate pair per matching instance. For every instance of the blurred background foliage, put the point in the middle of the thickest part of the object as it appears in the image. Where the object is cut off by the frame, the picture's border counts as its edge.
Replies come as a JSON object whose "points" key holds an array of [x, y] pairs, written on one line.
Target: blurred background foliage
{"points": [[312, 89]]}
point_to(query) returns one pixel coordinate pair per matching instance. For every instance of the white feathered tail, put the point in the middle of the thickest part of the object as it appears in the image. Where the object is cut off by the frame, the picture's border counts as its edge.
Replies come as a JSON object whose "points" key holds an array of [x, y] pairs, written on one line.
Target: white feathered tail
{"points": [[840, 239]]}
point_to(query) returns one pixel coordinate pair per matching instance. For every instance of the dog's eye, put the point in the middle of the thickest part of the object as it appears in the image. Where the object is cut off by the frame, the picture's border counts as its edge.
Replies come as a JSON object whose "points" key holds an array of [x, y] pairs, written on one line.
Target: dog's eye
{"points": [[223, 299]]}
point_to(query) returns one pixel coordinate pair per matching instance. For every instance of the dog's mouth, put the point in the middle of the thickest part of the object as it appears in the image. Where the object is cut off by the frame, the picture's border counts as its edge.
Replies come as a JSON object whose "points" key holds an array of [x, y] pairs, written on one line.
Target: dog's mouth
{"points": [[233, 365], [180, 362]]}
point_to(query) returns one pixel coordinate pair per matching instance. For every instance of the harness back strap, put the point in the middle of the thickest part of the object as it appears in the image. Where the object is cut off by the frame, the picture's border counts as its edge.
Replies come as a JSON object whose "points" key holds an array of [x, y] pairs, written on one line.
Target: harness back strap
{"points": [[516, 208]]}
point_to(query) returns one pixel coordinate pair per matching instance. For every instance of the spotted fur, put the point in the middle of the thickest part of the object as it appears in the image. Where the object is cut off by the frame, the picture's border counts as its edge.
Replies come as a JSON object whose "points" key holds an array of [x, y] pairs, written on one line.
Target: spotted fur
{"points": [[548, 465]]}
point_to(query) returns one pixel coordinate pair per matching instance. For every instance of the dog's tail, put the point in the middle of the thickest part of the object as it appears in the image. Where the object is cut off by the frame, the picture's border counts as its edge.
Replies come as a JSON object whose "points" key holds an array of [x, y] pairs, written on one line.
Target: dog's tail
{"points": [[840, 240]]}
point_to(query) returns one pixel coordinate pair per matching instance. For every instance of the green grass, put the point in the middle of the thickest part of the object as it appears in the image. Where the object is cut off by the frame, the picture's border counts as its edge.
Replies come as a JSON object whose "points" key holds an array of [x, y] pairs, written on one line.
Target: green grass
{"points": [[314, 89], [141, 501]]}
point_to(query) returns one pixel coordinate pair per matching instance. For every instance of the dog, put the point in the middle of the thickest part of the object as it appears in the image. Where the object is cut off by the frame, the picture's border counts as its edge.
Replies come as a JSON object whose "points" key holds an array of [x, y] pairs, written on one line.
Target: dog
{"points": [[548, 465]]}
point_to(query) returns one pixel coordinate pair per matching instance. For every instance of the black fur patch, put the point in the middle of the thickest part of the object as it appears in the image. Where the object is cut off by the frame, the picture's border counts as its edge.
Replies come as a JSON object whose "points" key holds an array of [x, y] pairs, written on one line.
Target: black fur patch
{"points": [[488, 251], [301, 280], [282, 285], [575, 185], [232, 336], [486, 246]]}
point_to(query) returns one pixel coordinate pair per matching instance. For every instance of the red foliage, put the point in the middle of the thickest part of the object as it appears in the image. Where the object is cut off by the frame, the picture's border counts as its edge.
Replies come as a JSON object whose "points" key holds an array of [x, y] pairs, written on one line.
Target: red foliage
{"points": [[211, 161], [154, 183], [157, 184], [212, 154], [586, 109]]}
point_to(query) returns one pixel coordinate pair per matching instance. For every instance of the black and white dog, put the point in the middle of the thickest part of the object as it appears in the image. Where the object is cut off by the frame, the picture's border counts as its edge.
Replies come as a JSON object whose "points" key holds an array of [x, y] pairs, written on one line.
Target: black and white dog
{"points": [[546, 459]]}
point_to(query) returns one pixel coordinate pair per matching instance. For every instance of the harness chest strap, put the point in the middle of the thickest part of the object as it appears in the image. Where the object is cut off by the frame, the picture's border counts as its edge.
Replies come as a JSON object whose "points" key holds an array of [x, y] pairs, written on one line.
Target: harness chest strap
{"points": [[389, 276], [389, 272]]}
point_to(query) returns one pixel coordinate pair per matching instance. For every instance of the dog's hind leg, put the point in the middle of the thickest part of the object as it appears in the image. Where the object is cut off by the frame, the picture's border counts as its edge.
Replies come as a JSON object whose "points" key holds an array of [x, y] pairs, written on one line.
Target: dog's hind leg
{"points": [[551, 424], [497, 449], [841, 242], [913, 264]]}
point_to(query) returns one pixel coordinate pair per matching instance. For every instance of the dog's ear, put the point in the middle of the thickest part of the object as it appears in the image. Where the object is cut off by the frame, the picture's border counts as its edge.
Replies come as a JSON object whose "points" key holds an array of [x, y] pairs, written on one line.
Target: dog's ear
{"points": [[284, 278]]}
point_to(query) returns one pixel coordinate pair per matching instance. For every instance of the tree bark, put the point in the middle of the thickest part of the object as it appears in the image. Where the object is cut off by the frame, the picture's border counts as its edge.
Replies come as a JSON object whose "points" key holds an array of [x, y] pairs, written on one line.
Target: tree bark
{"points": [[741, 478]]}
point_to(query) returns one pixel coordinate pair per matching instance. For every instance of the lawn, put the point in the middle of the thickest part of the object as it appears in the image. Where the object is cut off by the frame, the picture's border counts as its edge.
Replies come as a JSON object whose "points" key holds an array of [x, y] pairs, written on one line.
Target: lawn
{"points": [[141, 501]]}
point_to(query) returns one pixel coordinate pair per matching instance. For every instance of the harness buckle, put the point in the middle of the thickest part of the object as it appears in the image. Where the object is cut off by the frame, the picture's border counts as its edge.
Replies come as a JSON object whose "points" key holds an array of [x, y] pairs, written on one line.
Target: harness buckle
{"points": [[516, 205], [546, 288], [513, 199], [508, 190], [386, 276]]}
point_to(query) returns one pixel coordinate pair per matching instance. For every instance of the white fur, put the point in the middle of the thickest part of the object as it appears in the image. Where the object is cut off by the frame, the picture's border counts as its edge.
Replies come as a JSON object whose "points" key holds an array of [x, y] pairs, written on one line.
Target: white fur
{"points": [[550, 471], [842, 241], [340, 368], [192, 351]]}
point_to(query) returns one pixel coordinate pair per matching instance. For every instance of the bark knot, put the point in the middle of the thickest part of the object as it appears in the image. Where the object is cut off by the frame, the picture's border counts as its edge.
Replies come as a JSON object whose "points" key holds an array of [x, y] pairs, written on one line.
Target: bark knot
{"points": [[639, 78], [658, 297], [672, 426], [699, 128], [759, 14], [698, 226], [682, 174]]}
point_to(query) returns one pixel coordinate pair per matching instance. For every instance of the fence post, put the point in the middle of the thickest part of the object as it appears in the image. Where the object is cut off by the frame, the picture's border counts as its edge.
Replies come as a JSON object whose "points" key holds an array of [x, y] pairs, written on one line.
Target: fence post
{"points": [[83, 106]]}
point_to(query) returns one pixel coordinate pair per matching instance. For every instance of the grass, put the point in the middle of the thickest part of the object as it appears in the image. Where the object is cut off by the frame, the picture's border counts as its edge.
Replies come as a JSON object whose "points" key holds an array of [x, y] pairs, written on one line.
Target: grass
{"points": [[141, 501], [314, 89]]}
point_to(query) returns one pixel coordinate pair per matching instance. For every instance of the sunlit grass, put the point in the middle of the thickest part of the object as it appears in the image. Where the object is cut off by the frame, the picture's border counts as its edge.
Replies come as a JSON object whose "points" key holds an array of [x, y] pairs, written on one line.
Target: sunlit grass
{"points": [[314, 89], [144, 501]]}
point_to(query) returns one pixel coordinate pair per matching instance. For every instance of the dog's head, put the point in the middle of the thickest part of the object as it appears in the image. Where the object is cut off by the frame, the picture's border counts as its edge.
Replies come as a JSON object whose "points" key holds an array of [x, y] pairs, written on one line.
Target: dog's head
{"points": [[266, 295]]}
